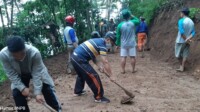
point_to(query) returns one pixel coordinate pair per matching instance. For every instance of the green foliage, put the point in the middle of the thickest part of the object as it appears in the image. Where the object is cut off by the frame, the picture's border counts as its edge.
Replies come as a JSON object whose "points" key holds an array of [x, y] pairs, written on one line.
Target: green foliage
{"points": [[2, 74], [39, 20], [36, 16], [1, 38], [194, 12], [147, 8]]}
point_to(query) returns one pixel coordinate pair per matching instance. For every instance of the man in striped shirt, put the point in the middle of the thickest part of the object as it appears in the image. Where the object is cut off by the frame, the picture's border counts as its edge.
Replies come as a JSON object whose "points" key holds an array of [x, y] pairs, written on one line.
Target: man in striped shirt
{"points": [[85, 52]]}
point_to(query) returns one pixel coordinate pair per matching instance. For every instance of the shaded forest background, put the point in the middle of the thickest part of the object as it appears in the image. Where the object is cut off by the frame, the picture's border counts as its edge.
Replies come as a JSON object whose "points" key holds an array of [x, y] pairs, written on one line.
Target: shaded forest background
{"points": [[41, 22]]}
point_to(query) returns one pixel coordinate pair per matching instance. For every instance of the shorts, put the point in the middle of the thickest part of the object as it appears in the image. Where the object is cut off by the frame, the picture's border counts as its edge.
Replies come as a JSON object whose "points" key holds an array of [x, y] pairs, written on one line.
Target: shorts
{"points": [[141, 40], [128, 52], [70, 48], [182, 50]]}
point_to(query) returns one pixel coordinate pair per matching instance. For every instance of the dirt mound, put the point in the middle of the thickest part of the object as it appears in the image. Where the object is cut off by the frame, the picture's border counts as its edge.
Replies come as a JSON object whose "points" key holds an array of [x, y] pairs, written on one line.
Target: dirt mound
{"points": [[163, 35]]}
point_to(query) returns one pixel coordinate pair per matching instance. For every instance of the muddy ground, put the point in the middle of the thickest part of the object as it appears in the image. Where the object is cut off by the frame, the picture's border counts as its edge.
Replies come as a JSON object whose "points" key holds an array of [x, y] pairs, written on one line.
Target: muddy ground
{"points": [[157, 86]]}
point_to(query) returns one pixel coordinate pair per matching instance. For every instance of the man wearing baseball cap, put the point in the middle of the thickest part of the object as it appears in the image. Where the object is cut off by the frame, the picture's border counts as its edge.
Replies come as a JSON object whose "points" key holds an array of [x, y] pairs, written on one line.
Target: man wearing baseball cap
{"points": [[90, 50], [126, 38]]}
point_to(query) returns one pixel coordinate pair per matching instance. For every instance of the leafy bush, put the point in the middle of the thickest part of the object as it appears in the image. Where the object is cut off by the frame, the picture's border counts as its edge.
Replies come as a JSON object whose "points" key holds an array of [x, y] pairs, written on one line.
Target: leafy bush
{"points": [[194, 12], [147, 8], [2, 74]]}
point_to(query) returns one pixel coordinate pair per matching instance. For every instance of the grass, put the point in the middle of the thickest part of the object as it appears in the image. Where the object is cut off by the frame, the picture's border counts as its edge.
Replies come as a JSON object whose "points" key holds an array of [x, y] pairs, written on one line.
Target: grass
{"points": [[2, 74]]}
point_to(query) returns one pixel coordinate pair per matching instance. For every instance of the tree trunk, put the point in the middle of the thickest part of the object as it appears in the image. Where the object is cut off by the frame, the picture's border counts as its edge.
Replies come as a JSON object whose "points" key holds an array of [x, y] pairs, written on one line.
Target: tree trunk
{"points": [[17, 6], [54, 15], [2, 20], [5, 5], [88, 17], [12, 8], [66, 8], [108, 8]]}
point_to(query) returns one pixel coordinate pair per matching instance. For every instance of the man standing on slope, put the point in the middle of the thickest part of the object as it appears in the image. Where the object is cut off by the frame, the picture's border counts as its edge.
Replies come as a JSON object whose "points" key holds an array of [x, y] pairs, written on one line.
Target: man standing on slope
{"points": [[22, 63], [89, 50], [71, 40], [186, 32], [126, 38]]}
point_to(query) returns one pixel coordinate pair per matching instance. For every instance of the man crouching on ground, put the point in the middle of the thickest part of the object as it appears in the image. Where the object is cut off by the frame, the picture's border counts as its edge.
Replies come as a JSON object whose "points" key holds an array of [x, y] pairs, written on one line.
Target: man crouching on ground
{"points": [[21, 63], [85, 52]]}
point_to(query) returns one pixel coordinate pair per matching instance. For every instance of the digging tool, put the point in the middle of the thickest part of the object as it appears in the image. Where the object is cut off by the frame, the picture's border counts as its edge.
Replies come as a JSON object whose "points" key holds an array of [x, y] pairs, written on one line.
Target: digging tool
{"points": [[128, 93], [48, 107], [125, 100], [45, 105]]}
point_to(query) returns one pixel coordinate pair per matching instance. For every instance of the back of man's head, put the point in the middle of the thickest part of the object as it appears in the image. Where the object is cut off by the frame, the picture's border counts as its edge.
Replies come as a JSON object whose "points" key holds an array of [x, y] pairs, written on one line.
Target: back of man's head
{"points": [[185, 11], [15, 44], [126, 14], [142, 18]]}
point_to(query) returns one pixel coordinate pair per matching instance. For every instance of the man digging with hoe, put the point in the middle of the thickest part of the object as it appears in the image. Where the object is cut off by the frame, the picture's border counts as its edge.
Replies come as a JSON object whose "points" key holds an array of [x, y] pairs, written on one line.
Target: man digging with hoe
{"points": [[22, 63]]}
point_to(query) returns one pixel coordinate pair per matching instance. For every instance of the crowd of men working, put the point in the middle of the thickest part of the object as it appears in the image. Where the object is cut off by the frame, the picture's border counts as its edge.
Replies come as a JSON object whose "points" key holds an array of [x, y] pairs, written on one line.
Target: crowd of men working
{"points": [[23, 62]]}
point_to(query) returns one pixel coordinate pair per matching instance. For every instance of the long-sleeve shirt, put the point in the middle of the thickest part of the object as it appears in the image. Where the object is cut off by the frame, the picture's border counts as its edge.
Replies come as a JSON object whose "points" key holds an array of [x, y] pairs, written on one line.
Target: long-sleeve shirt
{"points": [[32, 64], [185, 27], [142, 28], [126, 33], [70, 35]]}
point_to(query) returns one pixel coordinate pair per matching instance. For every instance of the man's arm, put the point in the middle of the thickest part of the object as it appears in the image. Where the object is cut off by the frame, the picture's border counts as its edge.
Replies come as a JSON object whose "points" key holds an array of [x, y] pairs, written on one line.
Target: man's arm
{"points": [[193, 32], [12, 74], [181, 29], [191, 36], [135, 20], [98, 64], [38, 69], [73, 37], [106, 65], [118, 36]]}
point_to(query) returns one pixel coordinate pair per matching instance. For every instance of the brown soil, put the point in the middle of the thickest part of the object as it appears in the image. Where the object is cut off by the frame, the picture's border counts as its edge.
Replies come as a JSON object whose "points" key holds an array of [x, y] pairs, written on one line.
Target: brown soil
{"points": [[157, 86]]}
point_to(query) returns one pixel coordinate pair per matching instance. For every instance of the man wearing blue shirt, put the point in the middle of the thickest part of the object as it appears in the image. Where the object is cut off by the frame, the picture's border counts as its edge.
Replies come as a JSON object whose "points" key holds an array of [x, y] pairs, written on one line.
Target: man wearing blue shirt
{"points": [[71, 40], [186, 32], [90, 50], [142, 32]]}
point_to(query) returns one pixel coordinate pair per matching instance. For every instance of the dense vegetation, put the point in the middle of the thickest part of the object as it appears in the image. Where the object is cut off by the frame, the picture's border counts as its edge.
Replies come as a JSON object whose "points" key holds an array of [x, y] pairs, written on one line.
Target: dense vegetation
{"points": [[146, 8], [149, 8], [41, 22]]}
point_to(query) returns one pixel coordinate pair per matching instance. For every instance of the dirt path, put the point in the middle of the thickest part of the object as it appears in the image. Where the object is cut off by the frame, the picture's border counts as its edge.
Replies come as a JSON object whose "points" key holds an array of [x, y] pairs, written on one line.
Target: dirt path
{"points": [[157, 86]]}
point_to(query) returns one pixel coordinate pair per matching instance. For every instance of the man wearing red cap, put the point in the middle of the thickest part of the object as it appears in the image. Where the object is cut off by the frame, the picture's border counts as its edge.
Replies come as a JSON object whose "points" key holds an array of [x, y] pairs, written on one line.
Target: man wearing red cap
{"points": [[71, 40]]}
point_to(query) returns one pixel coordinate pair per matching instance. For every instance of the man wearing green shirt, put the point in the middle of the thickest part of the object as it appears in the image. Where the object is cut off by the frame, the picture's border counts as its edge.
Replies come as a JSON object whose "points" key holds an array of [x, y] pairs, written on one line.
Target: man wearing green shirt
{"points": [[126, 38]]}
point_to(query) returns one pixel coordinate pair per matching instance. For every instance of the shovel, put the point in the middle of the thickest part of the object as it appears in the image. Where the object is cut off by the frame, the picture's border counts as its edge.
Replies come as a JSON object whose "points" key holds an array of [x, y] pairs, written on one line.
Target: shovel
{"points": [[48, 107], [125, 100]]}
